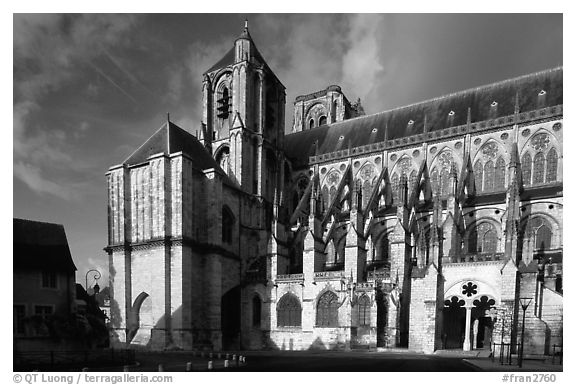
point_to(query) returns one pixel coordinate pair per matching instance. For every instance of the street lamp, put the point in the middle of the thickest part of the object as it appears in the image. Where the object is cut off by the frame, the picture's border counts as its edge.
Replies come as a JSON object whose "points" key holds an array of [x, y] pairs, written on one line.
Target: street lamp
{"points": [[96, 278], [524, 302]]}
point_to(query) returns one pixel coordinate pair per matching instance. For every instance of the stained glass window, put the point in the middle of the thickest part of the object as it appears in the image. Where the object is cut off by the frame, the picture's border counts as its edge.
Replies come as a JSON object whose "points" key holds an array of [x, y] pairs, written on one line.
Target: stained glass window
{"points": [[543, 238], [412, 183], [483, 238], [478, 174], [434, 181], [445, 181], [383, 250], [500, 178], [394, 184], [364, 311], [366, 192], [327, 310], [227, 225], [526, 169], [551, 165], [489, 176], [289, 312], [332, 195], [538, 168]]}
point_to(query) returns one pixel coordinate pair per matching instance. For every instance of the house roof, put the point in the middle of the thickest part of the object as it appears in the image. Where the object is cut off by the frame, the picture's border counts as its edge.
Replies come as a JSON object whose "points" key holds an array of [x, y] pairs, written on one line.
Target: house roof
{"points": [[430, 115], [41, 245]]}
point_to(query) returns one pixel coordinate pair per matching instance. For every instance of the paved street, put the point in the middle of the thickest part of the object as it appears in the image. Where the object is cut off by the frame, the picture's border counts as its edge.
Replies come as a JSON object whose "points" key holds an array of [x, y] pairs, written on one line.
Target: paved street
{"points": [[313, 361]]}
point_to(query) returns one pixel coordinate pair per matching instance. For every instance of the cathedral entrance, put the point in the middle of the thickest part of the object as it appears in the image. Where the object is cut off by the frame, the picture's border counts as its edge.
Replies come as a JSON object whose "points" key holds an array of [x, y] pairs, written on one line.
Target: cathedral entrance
{"points": [[482, 324], [381, 314], [230, 319], [454, 323]]}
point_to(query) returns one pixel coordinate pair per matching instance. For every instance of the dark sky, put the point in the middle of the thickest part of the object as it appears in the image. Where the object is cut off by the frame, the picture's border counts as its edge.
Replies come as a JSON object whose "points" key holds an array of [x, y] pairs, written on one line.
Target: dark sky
{"points": [[89, 89]]}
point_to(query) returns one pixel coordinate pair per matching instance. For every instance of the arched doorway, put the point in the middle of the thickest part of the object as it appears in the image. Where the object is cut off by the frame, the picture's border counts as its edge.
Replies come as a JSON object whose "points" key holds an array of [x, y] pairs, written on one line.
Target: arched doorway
{"points": [[381, 315], [454, 323], [230, 319], [483, 328]]}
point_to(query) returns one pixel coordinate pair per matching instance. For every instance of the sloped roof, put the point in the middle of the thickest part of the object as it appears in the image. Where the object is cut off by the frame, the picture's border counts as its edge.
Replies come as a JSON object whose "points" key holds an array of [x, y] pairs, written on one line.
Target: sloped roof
{"points": [[41, 245], [395, 123], [226, 60], [170, 139]]}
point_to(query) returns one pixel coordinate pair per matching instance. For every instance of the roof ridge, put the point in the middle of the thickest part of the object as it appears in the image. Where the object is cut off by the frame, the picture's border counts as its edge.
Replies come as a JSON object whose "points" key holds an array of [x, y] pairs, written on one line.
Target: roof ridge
{"points": [[143, 144], [446, 96]]}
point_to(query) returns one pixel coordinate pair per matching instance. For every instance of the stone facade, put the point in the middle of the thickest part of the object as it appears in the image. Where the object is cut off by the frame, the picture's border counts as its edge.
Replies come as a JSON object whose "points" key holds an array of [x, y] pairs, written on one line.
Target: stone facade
{"points": [[418, 227]]}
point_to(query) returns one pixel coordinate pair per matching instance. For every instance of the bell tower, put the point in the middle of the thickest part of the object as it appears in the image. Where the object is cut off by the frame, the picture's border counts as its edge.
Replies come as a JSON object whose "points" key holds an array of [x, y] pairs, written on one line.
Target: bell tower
{"points": [[243, 118]]}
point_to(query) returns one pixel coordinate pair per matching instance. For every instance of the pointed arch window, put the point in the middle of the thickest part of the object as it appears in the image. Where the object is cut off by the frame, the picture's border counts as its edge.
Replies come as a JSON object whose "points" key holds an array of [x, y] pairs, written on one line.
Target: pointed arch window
{"points": [[424, 246], [227, 225], [539, 162], [395, 184], [382, 251], [551, 165], [327, 310], [322, 121], [256, 311], [526, 165], [539, 231], [366, 193], [311, 123], [289, 311], [488, 176], [364, 310], [412, 183], [445, 181], [500, 175], [224, 103], [332, 196], [483, 238], [478, 175], [434, 180]]}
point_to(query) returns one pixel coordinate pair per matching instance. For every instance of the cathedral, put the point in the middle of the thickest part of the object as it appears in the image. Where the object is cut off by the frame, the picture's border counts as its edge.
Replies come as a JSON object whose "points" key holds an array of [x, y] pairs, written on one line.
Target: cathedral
{"points": [[432, 226]]}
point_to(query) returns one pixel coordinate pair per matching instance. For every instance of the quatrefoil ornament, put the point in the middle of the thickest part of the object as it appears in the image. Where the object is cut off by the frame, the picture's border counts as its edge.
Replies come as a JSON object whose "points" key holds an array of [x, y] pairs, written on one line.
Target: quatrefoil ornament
{"points": [[469, 289]]}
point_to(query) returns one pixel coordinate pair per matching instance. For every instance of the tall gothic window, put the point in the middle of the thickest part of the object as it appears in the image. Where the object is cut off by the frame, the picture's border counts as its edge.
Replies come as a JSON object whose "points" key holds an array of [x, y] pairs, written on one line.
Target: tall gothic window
{"points": [[256, 311], [412, 183], [395, 184], [551, 165], [327, 310], [500, 175], [445, 181], [539, 231], [489, 176], [311, 123], [288, 311], [538, 176], [364, 311], [434, 180], [366, 192], [227, 225], [483, 238], [332, 195], [478, 175], [526, 169]]}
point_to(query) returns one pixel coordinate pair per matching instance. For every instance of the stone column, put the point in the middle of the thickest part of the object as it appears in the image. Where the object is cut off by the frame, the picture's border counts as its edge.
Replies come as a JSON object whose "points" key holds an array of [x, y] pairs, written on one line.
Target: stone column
{"points": [[467, 328]]}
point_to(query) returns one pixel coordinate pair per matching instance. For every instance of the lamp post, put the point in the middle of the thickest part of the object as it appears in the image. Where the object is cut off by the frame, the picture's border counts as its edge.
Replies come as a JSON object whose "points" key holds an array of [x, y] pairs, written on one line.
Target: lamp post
{"points": [[524, 302], [96, 278]]}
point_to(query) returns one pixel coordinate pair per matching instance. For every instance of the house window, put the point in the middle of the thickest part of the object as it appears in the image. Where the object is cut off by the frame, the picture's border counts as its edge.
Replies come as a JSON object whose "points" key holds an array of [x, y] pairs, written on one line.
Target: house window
{"points": [[44, 311], [19, 315], [49, 279], [289, 312], [364, 311], [327, 310], [256, 311]]}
